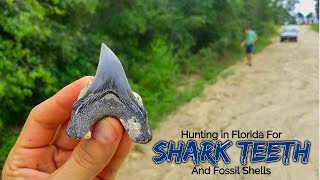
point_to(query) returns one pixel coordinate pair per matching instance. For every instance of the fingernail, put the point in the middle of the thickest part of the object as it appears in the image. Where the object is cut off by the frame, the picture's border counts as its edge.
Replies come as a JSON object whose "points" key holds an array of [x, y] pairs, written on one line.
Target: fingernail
{"points": [[104, 131]]}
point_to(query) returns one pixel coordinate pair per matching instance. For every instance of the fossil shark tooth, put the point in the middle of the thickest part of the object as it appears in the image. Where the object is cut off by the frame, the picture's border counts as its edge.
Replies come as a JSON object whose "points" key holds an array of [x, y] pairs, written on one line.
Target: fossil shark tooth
{"points": [[109, 95]]}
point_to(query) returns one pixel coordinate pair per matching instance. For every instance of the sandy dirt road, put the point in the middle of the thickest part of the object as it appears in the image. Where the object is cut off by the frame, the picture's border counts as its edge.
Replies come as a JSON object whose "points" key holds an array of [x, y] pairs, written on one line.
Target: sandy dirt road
{"points": [[279, 93]]}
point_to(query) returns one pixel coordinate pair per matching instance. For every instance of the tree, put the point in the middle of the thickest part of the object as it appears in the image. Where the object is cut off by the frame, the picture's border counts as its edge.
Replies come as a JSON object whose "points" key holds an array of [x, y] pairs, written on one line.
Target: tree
{"points": [[300, 15], [317, 8], [47, 44], [282, 10], [310, 15]]}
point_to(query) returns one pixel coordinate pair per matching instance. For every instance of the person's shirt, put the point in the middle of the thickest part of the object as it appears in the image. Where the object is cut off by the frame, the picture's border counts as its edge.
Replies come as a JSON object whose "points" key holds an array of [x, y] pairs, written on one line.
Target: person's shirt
{"points": [[251, 35]]}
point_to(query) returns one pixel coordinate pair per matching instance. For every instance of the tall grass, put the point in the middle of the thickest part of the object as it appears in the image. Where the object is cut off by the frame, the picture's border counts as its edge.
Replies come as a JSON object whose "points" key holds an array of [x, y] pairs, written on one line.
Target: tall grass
{"points": [[315, 27]]}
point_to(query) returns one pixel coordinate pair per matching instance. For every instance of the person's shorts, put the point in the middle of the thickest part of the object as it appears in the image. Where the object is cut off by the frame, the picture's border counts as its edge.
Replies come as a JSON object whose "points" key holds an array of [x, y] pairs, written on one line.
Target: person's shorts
{"points": [[249, 48]]}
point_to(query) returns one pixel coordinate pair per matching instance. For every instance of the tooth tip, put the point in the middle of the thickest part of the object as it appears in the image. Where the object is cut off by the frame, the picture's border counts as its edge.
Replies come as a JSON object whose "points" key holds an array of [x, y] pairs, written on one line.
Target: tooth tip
{"points": [[107, 52], [104, 45]]}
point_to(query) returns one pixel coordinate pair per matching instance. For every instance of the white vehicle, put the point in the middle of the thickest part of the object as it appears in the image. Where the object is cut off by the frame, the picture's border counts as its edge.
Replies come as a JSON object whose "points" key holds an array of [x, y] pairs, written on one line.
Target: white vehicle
{"points": [[289, 33]]}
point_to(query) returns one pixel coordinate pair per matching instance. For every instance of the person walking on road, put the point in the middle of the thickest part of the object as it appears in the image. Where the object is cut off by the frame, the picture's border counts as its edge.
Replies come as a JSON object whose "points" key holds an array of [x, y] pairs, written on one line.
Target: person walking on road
{"points": [[249, 41]]}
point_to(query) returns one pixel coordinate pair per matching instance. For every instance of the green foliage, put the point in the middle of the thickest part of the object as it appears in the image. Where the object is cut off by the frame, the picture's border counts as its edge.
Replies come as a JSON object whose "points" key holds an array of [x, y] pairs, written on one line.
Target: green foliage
{"points": [[7, 140], [315, 27], [47, 44], [281, 11]]}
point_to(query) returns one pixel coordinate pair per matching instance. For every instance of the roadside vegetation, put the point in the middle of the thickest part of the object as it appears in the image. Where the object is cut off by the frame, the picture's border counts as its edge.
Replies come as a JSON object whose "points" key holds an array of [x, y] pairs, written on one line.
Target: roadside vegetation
{"points": [[315, 27], [163, 45]]}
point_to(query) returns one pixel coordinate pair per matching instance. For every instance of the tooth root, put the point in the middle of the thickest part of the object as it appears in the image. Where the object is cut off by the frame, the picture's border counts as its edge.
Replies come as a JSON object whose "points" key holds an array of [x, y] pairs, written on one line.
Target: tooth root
{"points": [[138, 98], [88, 135]]}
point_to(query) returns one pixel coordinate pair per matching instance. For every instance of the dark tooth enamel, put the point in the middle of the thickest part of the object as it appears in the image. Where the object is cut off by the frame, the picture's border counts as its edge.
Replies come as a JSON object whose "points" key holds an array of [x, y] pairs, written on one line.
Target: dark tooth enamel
{"points": [[109, 95]]}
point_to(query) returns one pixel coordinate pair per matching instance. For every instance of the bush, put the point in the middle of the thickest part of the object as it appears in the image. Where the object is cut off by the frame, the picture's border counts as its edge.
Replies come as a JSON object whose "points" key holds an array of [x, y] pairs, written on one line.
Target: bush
{"points": [[45, 45], [315, 27], [7, 140]]}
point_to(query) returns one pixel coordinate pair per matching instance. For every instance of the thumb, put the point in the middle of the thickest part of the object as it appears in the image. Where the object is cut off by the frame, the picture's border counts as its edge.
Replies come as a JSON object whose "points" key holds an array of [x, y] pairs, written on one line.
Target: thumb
{"points": [[91, 155]]}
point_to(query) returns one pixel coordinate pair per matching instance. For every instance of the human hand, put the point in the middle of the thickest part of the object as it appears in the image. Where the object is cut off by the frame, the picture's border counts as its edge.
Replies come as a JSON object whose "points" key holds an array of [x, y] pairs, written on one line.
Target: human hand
{"points": [[254, 41], [44, 151]]}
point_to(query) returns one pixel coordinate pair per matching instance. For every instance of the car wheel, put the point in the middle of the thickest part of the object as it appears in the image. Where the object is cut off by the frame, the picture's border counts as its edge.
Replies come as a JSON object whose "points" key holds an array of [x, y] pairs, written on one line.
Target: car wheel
{"points": [[296, 39], [281, 39]]}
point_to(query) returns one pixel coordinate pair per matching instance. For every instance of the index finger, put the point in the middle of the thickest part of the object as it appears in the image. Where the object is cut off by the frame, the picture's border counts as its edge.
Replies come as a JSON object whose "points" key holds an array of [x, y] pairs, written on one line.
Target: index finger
{"points": [[44, 120]]}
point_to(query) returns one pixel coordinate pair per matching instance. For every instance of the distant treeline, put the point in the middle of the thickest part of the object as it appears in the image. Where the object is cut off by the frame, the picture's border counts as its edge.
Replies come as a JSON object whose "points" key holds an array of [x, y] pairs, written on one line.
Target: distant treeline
{"points": [[47, 44]]}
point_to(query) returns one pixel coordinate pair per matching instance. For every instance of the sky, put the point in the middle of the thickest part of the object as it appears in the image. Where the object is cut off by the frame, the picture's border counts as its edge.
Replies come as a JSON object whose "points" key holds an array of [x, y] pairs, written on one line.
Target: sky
{"points": [[305, 7]]}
